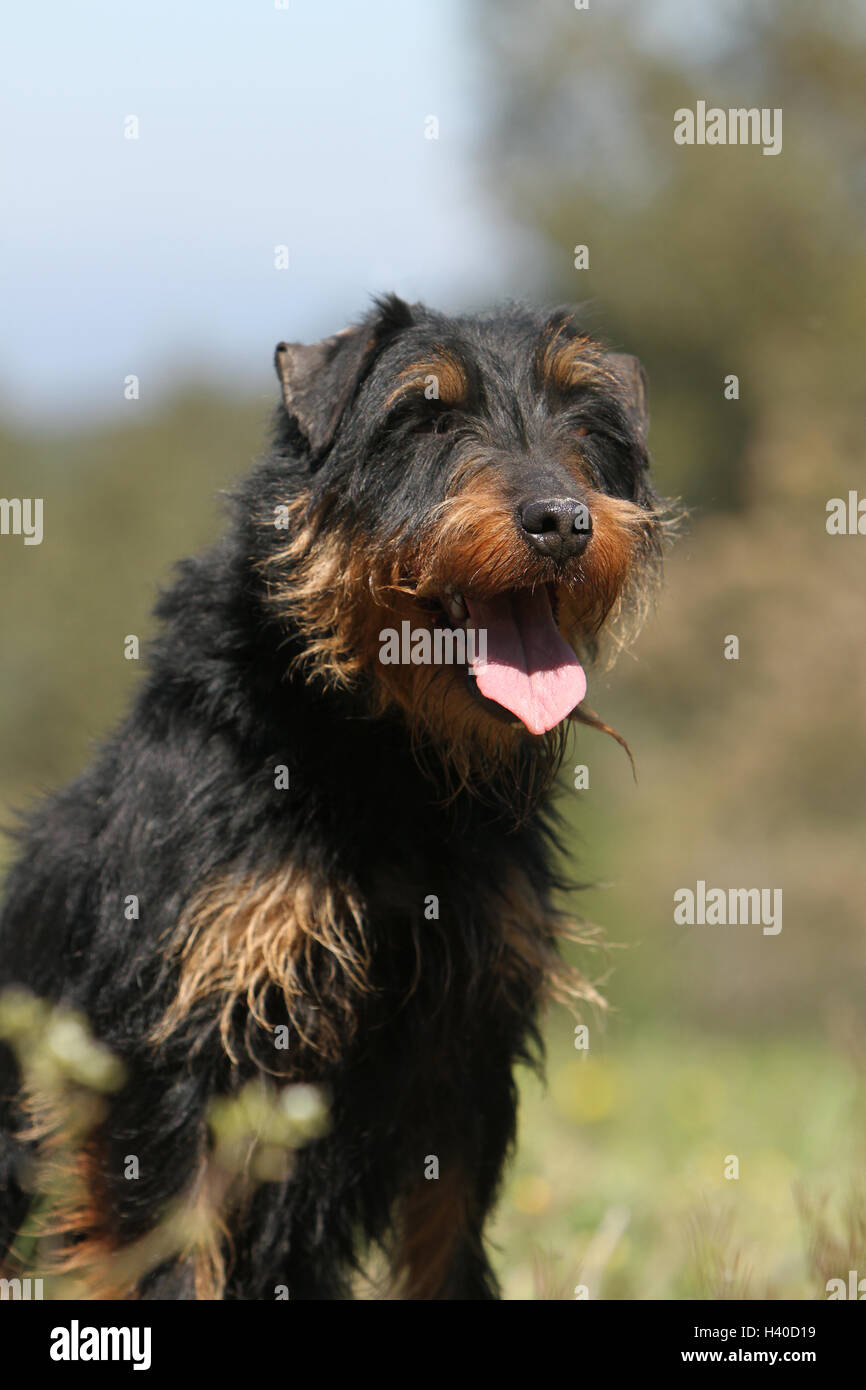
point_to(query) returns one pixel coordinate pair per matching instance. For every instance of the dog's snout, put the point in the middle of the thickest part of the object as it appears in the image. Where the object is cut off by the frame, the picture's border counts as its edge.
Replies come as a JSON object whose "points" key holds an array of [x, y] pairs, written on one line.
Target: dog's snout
{"points": [[558, 527]]}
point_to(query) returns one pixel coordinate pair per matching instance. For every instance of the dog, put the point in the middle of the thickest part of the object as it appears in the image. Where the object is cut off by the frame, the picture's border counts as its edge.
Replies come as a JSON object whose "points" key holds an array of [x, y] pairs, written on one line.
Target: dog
{"points": [[331, 833]]}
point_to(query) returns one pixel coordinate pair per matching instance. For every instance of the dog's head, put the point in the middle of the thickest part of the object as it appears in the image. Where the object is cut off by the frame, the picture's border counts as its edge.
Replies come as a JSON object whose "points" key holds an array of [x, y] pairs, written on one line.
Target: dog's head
{"points": [[473, 487]]}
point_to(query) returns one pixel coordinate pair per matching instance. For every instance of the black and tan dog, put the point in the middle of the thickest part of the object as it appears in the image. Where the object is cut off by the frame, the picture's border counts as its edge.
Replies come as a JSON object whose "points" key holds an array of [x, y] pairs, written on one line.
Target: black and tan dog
{"points": [[392, 906]]}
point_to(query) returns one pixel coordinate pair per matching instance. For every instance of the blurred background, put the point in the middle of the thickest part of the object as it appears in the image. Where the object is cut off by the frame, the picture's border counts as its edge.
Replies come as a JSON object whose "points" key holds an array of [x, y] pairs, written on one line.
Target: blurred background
{"points": [[307, 128]]}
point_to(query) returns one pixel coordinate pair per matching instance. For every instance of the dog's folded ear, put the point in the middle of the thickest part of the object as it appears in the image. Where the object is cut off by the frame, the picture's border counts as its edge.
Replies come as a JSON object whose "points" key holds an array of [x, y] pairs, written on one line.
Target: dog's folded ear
{"points": [[631, 377], [320, 380]]}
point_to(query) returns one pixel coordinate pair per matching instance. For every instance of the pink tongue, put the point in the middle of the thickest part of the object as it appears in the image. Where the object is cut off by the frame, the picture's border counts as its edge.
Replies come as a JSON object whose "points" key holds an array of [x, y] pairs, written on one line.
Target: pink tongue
{"points": [[530, 668]]}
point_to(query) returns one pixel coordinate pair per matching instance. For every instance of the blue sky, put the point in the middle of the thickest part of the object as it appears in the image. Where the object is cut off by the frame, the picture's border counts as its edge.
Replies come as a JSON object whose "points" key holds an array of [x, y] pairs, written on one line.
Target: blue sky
{"points": [[259, 126]]}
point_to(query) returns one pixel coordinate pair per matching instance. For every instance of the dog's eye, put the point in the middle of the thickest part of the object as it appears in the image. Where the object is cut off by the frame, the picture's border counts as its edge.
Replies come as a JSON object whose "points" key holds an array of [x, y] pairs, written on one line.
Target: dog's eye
{"points": [[420, 417], [433, 422]]}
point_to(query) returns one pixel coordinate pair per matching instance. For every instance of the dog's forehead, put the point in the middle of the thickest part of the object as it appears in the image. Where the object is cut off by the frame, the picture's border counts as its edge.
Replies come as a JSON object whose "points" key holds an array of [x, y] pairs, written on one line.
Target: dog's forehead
{"points": [[507, 351], [487, 340]]}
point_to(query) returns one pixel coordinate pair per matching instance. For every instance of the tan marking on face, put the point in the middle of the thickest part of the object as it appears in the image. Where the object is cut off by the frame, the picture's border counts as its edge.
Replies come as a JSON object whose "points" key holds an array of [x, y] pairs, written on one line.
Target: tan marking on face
{"points": [[449, 379], [342, 590], [565, 362]]}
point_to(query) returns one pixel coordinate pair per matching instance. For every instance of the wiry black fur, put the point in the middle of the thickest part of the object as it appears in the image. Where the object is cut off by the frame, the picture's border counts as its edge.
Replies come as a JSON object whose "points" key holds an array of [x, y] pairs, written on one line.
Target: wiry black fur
{"points": [[184, 793]]}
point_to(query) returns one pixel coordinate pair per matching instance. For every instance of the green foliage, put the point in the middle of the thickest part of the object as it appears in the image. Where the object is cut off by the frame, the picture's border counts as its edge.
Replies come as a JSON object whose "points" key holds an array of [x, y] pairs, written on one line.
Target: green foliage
{"points": [[66, 1076], [122, 504]]}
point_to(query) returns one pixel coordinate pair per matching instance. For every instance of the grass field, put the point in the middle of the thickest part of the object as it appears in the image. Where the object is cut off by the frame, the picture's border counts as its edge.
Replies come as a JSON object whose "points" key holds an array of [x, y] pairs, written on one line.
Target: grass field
{"points": [[620, 1184]]}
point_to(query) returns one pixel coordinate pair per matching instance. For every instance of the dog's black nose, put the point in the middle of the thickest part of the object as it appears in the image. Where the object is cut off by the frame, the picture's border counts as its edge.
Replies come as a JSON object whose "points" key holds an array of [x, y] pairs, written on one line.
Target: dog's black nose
{"points": [[558, 527]]}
